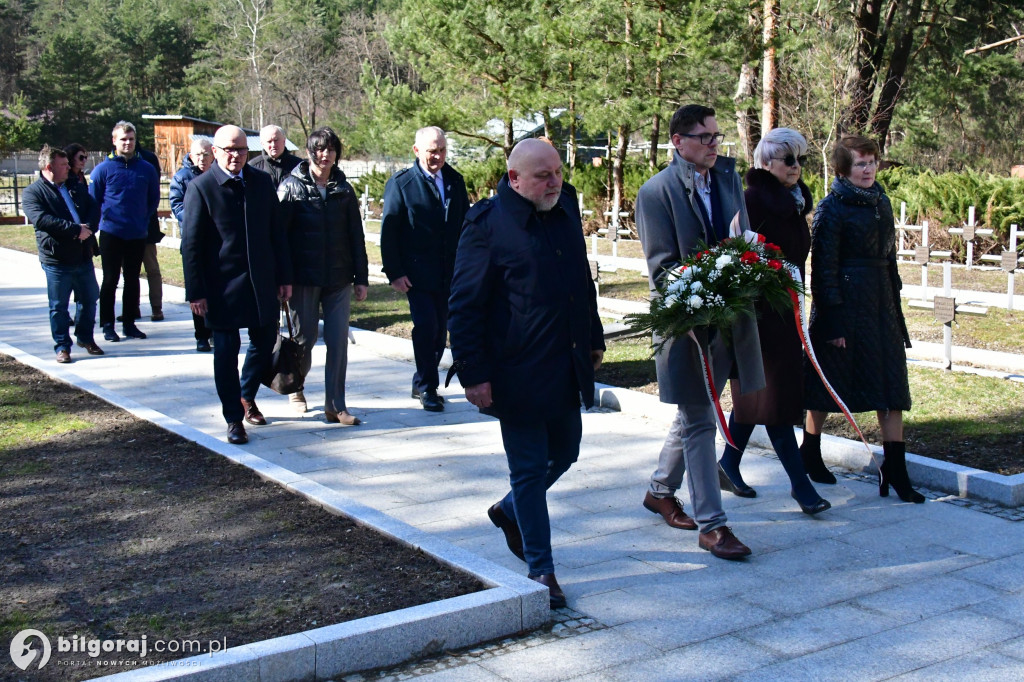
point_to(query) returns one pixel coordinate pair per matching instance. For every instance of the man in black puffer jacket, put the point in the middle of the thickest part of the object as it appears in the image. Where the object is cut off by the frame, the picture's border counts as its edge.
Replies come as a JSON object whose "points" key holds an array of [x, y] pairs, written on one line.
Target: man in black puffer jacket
{"points": [[320, 211]]}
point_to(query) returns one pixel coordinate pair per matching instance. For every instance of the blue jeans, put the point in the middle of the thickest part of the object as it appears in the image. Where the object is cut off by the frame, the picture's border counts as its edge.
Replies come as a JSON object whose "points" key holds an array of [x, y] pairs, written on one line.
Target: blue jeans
{"points": [[538, 452], [61, 280]]}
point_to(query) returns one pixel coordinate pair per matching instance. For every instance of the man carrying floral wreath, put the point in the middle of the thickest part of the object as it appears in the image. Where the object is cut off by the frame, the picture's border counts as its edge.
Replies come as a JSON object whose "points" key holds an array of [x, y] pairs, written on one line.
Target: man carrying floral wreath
{"points": [[697, 199]]}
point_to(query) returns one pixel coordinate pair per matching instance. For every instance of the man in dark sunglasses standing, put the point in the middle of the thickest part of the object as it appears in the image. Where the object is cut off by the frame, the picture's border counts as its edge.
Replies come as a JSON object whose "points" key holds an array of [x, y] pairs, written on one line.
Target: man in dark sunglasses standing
{"points": [[696, 199]]}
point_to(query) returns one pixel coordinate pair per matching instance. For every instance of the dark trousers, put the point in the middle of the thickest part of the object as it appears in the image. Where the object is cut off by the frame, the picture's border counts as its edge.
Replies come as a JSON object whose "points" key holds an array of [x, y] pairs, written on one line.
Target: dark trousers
{"points": [[258, 358], [429, 313], [203, 333], [538, 452], [117, 254]]}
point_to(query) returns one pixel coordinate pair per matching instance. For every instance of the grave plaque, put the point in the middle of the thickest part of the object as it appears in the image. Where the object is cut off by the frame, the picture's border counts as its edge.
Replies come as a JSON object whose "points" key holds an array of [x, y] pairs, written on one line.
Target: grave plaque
{"points": [[1009, 262], [945, 309], [968, 233], [921, 255]]}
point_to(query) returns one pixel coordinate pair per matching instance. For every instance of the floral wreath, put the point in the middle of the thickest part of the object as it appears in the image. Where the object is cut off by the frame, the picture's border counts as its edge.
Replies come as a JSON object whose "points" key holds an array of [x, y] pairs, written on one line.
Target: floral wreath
{"points": [[714, 286]]}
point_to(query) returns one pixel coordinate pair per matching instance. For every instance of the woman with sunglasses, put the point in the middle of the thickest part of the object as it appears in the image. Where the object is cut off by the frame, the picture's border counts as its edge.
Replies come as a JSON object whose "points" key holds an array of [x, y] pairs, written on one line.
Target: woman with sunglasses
{"points": [[77, 181], [857, 327], [778, 203]]}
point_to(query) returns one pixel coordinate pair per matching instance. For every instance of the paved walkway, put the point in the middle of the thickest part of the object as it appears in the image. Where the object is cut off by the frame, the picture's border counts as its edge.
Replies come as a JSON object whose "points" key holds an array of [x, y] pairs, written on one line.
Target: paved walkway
{"points": [[872, 589]]}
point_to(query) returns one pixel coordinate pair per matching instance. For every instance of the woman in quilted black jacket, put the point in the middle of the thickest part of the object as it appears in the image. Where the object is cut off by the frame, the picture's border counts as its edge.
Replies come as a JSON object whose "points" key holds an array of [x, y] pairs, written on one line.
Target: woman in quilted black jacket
{"points": [[857, 326]]}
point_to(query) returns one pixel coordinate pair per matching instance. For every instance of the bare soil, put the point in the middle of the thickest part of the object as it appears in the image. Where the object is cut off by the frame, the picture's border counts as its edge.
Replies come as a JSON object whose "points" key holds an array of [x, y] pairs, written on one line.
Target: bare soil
{"points": [[124, 530]]}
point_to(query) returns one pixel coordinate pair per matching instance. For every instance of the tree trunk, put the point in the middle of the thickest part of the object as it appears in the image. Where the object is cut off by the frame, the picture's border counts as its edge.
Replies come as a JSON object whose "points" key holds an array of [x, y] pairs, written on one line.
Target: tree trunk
{"points": [[747, 125], [860, 79], [618, 176], [510, 138], [570, 144], [652, 156], [893, 84], [770, 66]]}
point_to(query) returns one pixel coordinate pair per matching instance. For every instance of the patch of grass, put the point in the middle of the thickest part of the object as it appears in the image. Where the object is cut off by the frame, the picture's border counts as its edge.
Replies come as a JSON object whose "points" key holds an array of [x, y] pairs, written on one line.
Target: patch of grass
{"points": [[14, 621], [625, 285], [18, 237], [27, 421], [998, 329], [384, 310]]}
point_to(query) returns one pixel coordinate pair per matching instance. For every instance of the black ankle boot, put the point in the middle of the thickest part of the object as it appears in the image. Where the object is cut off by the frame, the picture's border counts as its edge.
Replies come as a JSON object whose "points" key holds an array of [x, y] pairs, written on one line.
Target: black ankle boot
{"points": [[894, 473], [810, 453]]}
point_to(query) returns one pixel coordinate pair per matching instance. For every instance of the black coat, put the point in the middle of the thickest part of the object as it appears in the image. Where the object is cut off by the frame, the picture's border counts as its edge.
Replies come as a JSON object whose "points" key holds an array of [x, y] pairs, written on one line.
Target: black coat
{"points": [[856, 289], [326, 240], [279, 168], [523, 308], [234, 252], [56, 230], [418, 234], [773, 213]]}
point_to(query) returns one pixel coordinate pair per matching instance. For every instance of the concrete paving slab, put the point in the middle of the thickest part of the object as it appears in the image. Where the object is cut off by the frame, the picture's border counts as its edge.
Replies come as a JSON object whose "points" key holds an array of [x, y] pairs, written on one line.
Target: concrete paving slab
{"points": [[816, 630], [976, 667], [1006, 573], [916, 600], [721, 658]]}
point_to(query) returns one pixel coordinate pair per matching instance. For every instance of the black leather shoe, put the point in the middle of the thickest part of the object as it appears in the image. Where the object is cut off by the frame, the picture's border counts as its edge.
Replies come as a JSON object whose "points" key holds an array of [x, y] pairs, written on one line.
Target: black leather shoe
{"points": [[109, 334], [132, 332], [431, 401], [555, 595], [513, 538], [821, 505], [417, 394], [726, 483], [203, 346], [157, 317], [236, 434]]}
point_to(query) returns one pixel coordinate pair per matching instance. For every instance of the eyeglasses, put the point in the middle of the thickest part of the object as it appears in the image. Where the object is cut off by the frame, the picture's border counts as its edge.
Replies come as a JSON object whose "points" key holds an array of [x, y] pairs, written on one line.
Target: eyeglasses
{"points": [[791, 159], [864, 165], [706, 138], [237, 151], [81, 157]]}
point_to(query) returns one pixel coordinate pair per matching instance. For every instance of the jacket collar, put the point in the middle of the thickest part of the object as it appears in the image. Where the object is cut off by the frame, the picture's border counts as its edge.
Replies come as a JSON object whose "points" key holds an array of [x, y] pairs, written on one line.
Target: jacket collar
{"points": [[222, 175], [519, 208], [685, 170], [301, 172]]}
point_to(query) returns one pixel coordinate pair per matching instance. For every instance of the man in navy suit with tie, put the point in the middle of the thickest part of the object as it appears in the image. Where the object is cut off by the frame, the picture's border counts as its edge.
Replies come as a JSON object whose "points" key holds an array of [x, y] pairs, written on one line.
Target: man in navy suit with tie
{"points": [[66, 243], [424, 207], [237, 266]]}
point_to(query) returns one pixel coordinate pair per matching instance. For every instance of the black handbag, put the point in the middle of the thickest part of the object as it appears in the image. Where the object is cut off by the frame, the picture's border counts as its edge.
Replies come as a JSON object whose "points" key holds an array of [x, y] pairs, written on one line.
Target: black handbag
{"points": [[285, 373]]}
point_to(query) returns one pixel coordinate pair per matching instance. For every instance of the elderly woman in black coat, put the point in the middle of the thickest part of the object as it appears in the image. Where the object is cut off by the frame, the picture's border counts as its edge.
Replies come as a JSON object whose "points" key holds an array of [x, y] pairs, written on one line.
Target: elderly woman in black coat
{"points": [[320, 210], [778, 203], [857, 326]]}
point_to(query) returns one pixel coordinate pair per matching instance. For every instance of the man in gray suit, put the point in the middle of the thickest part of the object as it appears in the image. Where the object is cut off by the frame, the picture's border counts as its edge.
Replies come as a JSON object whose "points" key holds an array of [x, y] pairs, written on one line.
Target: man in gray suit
{"points": [[695, 199]]}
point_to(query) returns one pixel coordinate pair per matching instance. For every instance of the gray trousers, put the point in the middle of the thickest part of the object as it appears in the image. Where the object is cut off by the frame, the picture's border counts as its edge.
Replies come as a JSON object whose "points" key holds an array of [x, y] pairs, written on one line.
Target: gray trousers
{"points": [[305, 305], [690, 448], [153, 279]]}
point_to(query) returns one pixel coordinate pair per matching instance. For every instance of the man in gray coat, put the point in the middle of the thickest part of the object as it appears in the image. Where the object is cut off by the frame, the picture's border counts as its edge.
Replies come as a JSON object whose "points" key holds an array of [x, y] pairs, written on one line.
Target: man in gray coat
{"points": [[695, 199]]}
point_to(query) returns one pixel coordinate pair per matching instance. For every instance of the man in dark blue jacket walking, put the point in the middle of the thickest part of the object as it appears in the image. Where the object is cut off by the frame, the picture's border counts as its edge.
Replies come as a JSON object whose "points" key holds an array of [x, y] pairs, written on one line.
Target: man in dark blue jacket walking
{"points": [[526, 338], [65, 241], [424, 207]]}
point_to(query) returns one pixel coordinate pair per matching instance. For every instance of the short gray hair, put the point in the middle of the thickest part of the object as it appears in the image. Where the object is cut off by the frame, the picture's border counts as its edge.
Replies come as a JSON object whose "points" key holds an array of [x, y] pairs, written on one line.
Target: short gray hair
{"points": [[125, 126], [269, 131], [777, 143]]}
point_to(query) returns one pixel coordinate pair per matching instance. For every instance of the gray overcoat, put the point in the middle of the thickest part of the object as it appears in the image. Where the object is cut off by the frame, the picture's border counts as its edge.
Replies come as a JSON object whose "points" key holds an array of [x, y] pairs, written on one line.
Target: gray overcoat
{"points": [[670, 226]]}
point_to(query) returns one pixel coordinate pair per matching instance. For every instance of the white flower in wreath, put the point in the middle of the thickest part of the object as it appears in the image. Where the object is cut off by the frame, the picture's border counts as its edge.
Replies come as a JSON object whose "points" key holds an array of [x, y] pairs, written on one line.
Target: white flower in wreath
{"points": [[676, 288], [723, 260], [695, 302], [685, 274], [696, 287]]}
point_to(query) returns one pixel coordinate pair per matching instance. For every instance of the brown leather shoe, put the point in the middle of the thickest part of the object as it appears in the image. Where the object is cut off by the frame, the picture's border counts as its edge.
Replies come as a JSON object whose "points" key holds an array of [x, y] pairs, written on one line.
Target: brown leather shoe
{"points": [[671, 509], [343, 418], [513, 538], [237, 434], [556, 598], [91, 348], [63, 356], [252, 413], [723, 544]]}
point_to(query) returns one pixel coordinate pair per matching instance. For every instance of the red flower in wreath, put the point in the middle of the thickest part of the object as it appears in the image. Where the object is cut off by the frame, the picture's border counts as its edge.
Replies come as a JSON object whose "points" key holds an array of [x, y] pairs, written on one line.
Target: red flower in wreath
{"points": [[774, 264], [749, 258]]}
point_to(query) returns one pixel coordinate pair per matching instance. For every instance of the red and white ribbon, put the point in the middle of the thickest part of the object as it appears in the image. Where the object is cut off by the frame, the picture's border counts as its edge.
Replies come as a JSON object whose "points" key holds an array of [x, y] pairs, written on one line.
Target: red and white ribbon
{"points": [[804, 332], [709, 386]]}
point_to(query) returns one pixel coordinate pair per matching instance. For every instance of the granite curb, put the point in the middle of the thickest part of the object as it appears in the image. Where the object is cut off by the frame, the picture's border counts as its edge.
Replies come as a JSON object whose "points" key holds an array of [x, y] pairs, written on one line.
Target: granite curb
{"points": [[511, 604]]}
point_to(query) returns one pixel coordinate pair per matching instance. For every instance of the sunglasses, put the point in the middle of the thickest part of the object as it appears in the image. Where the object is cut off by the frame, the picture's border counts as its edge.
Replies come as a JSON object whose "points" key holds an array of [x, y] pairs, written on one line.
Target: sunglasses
{"points": [[791, 160], [81, 157]]}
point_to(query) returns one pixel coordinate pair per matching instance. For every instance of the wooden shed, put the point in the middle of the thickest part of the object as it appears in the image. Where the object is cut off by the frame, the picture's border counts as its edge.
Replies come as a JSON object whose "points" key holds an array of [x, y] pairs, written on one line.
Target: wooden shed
{"points": [[174, 133]]}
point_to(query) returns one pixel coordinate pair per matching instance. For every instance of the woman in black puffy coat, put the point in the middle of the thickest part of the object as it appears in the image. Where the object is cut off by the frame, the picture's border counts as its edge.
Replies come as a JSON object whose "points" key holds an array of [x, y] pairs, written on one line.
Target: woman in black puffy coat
{"points": [[320, 210], [857, 328]]}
